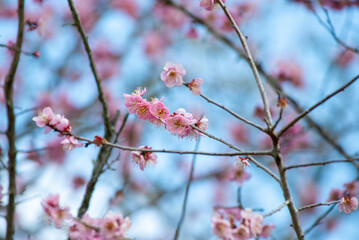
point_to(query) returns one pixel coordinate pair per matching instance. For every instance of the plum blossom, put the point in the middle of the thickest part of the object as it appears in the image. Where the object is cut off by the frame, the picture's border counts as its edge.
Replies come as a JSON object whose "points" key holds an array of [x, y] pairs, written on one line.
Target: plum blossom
{"points": [[159, 110], [43, 117], [114, 226], [172, 74], [239, 224], [70, 142], [179, 123], [56, 214], [243, 162], [348, 204], [144, 158], [238, 174], [132, 100], [221, 227], [194, 86]]}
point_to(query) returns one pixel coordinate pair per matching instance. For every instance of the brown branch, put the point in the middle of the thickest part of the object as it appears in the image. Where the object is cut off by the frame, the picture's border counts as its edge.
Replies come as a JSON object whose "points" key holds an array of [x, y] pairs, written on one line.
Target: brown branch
{"points": [[271, 80], [258, 164], [101, 97], [277, 209], [331, 30], [105, 151], [16, 49], [251, 63], [321, 163], [305, 113], [233, 113], [184, 206], [11, 136], [319, 219], [318, 204]]}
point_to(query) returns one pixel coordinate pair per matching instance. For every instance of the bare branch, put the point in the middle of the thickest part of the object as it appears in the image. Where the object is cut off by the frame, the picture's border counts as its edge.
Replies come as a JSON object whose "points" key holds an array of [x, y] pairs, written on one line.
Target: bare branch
{"points": [[331, 30], [11, 135], [16, 49], [321, 163], [318, 204], [184, 206], [302, 115], [250, 61], [318, 221], [277, 209]]}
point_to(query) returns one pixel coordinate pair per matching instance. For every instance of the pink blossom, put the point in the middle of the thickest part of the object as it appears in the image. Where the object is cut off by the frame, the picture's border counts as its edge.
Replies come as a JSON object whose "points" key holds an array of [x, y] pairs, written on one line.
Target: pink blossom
{"points": [[241, 232], [267, 231], [70, 142], [179, 123], [172, 74], [243, 162], [192, 33], [131, 101], [144, 158], [348, 204], [80, 231], [43, 117], [202, 124], [114, 227], [194, 86], [159, 110], [291, 72], [239, 133], [143, 110], [53, 210], [221, 227], [155, 43], [239, 175]]}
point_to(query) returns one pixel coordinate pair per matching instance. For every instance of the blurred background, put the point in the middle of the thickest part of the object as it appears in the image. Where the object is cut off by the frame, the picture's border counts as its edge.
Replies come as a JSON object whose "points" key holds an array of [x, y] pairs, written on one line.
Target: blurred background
{"points": [[293, 41]]}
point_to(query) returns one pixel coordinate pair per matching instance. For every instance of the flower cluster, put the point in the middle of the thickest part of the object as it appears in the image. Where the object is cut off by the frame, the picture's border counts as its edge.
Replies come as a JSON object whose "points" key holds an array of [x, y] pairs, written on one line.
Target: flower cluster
{"points": [[59, 123], [178, 123], [144, 158], [111, 227], [348, 198], [239, 224]]}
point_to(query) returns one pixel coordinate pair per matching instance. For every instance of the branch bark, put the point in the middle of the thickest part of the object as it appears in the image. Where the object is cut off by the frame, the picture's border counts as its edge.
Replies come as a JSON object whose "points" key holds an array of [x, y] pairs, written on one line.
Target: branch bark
{"points": [[11, 118]]}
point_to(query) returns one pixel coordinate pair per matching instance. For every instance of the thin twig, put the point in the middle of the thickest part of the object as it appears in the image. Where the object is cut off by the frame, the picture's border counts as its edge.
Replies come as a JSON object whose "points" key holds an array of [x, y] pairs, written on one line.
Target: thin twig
{"points": [[318, 204], [184, 206], [16, 49], [279, 118], [321, 163], [11, 135], [250, 61], [121, 127], [105, 151], [330, 29], [261, 166], [271, 80], [319, 219], [277, 209], [302, 115], [101, 96], [233, 113]]}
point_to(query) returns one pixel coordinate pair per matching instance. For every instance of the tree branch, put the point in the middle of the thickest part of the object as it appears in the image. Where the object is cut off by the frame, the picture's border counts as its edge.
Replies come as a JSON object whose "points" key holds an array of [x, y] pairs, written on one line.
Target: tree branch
{"points": [[8, 88], [184, 206], [305, 113], [251, 63], [318, 204], [321, 163]]}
